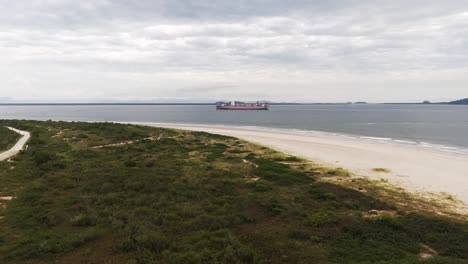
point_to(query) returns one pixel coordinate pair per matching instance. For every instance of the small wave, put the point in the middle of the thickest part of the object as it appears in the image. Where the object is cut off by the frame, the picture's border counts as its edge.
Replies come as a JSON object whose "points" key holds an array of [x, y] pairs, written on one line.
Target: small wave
{"points": [[444, 148], [430, 145], [377, 138], [405, 141]]}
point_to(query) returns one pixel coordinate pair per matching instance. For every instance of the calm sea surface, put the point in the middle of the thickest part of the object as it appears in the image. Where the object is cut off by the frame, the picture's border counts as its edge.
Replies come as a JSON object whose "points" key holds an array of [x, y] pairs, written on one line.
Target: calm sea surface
{"points": [[438, 126]]}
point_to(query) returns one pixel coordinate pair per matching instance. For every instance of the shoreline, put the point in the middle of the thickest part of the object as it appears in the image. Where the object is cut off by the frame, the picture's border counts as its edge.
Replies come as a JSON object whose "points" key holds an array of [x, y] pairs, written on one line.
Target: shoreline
{"points": [[403, 143], [414, 168]]}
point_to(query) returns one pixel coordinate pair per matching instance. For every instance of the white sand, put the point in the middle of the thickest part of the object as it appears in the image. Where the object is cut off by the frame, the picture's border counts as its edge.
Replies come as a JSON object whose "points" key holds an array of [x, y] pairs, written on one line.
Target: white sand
{"points": [[412, 167], [18, 146]]}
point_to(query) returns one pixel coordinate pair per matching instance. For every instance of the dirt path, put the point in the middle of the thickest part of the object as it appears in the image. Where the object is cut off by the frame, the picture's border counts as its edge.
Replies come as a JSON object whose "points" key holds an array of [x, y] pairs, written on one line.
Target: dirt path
{"points": [[18, 146]]}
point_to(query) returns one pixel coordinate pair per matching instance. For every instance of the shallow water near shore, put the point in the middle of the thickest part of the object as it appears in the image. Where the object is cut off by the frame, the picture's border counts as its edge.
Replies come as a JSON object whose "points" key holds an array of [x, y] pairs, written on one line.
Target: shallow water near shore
{"points": [[438, 127]]}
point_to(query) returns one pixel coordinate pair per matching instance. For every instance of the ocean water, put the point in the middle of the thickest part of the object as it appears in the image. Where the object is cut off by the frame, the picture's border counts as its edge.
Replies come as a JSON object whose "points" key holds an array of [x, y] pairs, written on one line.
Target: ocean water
{"points": [[442, 127]]}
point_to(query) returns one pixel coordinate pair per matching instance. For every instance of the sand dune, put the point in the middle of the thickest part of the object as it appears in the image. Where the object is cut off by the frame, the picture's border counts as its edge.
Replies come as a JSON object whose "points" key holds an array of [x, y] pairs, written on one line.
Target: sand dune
{"points": [[415, 168]]}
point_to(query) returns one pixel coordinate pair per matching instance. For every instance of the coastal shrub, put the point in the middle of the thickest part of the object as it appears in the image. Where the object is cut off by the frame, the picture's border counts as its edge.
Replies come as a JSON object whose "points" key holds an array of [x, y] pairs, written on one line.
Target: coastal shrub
{"points": [[87, 154], [322, 218], [299, 235], [189, 257], [41, 157], [292, 159], [288, 159], [130, 163], [250, 156], [211, 136], [85, 236], [136, 237], [384, 170], [172, 207], [239, 151], [150, 163], [388, 221], [278, 172], [446, 237], [273, 206], [317, 193], [315, 239], [438, 260], [348, 198], [36, 140], [215, 151], [47, 246], [338, 172], [375, 240], [82, 136], [260, 187], [84, 220], [369, 251]]}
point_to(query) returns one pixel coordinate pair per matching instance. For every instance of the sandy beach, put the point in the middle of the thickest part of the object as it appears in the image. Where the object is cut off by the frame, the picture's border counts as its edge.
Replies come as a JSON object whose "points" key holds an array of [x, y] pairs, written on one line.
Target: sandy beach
{"points": [[414, 168]]}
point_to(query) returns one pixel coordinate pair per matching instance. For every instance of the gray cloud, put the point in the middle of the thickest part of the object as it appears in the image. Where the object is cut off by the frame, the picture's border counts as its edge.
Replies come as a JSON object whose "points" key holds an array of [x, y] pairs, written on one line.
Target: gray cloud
{"points": [[317, 50]]}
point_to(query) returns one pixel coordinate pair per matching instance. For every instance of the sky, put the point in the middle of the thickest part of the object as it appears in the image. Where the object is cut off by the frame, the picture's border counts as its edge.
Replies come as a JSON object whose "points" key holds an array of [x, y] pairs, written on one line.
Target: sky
{"points": [[202, 51]]}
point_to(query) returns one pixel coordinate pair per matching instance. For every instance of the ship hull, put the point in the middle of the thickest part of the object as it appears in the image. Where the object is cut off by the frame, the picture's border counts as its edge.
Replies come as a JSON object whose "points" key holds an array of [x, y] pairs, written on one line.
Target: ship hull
{"points": [[240, 108]]}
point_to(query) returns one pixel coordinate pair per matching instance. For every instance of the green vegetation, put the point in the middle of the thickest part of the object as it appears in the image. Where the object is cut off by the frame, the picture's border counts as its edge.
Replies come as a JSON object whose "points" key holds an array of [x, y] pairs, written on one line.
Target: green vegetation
{"points": [[8, 138], [110, 193], [383, 170]]}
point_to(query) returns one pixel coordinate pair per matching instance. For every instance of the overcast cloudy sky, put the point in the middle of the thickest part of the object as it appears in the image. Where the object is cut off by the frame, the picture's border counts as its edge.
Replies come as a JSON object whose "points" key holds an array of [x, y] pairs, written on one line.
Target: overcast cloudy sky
{"points": [[296, 50]]}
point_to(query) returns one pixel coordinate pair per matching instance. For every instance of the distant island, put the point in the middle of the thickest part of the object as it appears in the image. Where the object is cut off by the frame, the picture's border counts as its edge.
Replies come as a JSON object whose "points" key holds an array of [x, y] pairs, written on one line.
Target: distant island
{"points": [[459, 102]]}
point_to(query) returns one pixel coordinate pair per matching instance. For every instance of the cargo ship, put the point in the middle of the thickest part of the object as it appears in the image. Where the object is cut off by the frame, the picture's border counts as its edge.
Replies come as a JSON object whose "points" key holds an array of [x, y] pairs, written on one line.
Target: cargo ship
{"points": [[242, 106]]}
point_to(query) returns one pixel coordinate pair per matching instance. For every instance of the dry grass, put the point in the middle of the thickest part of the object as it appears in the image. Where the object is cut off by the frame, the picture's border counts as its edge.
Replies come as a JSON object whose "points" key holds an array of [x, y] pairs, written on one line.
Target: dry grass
{"points": [[423, 202], [442, 204]]}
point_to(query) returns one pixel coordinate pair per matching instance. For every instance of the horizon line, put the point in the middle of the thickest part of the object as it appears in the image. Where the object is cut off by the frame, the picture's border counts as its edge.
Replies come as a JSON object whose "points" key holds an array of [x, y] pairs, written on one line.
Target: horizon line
{"points": [[210, 103]]}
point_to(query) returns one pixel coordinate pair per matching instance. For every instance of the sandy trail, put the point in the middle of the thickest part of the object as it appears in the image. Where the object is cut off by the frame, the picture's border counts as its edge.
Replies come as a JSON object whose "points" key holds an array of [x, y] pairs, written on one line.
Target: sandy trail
{"points": [[414, 168], [18, 146]]}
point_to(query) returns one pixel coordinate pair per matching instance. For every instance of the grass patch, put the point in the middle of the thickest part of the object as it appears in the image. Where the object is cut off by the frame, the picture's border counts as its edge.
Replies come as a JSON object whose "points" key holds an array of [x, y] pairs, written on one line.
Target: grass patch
{"points": [[383, 170], [278, 172], [182, 197], [337, 172]]}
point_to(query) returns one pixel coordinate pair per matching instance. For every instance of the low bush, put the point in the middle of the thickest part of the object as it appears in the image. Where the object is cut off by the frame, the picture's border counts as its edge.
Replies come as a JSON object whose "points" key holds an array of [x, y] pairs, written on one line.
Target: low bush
{"points": [[83, 220], [260, 187], [153, 202], [130, 163], [322, 219], [278, 172]]}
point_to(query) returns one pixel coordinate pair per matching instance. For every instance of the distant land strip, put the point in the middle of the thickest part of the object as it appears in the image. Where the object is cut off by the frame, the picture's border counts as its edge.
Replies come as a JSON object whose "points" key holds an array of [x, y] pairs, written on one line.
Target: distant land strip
{"points": [[457, 102]]}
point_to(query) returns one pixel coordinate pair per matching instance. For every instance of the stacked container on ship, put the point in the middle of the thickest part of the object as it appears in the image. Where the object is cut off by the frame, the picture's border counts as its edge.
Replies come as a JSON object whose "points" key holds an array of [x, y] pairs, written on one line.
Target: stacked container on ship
{"points": [[241, 106]]}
